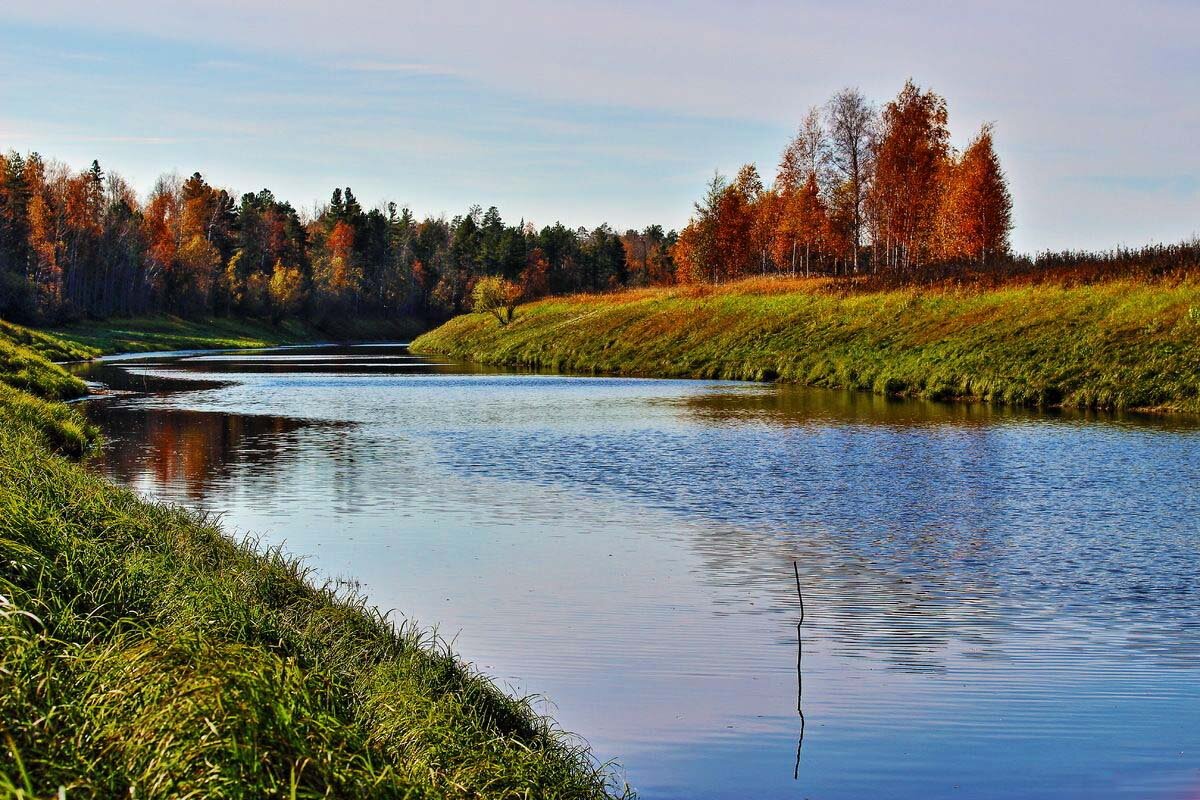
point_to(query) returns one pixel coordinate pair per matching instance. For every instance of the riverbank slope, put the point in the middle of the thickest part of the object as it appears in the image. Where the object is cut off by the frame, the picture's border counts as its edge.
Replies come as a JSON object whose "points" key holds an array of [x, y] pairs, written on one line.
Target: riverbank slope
{"points": [[1113, 345], [143, 651]]}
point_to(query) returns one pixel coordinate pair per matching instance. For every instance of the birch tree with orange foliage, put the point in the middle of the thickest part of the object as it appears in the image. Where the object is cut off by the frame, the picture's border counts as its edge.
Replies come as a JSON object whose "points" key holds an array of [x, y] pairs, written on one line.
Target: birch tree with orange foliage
{"points": [[697, 251], [161, 231], [738, 234], [43, 234], [911, 164], [976, 212]]}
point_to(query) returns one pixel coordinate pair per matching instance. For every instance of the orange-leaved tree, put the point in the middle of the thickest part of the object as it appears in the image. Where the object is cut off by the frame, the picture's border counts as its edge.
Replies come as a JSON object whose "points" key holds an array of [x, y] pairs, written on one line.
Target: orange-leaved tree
{"points": [[911, 163], [976, 211]]}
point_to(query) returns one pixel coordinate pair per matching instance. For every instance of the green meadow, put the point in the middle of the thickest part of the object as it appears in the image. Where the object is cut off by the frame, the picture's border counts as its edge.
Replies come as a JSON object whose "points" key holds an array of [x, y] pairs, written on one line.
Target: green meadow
{"points": [[145, 334], [1121, 344]]}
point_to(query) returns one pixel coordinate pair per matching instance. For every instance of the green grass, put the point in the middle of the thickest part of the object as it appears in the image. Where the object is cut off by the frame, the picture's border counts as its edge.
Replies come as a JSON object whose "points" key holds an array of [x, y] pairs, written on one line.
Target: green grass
{"points": [[45, 344], [60, 428], [1115, 345], [144, 653], [106, 337], [146, 334], [24, 365]]}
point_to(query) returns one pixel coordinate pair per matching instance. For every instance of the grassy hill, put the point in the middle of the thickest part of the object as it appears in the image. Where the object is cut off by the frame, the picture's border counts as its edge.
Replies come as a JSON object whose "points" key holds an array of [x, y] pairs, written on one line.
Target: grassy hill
{"points": [[1112, 345]]}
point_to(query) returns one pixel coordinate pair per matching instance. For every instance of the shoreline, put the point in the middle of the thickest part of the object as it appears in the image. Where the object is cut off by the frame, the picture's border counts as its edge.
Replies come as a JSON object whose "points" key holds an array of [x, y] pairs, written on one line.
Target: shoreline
{"points": [[148, 651], [167, 333], [1116, 346]]}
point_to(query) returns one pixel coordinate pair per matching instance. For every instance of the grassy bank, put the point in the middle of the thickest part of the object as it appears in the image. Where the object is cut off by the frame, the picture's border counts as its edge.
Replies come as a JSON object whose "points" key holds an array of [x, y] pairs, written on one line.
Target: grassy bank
{"points": [[1120, 344], [144, 653], [106, 337]]}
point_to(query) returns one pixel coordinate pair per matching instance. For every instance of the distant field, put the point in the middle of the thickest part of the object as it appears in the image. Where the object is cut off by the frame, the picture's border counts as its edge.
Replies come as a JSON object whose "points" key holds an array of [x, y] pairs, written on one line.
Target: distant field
{"points": [[105, 337], [1121, 344]]}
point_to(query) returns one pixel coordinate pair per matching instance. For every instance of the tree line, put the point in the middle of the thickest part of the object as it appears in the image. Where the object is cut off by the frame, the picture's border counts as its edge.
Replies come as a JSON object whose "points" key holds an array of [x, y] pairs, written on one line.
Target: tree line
{"points": [[878, 196], [82, 244], [858, 189]]}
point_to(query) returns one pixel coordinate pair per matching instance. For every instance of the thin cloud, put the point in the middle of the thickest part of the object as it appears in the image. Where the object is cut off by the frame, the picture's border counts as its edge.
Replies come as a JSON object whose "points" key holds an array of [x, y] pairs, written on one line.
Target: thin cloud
{"points": [[126, 139], [400, 67]]}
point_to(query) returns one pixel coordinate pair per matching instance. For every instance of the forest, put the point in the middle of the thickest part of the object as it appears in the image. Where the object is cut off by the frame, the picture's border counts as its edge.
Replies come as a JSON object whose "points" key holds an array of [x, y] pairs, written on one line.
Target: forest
{"points": [[76, 245], [861, 192]]}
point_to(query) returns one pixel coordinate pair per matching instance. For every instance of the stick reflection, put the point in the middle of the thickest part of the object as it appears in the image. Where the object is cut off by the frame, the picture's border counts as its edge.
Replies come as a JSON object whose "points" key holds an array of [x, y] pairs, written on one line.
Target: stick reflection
{"points": [[799, 671]]}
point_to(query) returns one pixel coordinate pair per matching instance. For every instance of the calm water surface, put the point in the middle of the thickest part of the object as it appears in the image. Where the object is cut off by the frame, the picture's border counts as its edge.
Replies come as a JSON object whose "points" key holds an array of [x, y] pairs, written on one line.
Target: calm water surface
{"points": [[997, 604]]}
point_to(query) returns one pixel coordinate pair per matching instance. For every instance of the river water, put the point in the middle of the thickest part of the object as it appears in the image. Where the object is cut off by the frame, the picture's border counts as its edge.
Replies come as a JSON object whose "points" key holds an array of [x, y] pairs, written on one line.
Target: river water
{"points": [[997, 604]]}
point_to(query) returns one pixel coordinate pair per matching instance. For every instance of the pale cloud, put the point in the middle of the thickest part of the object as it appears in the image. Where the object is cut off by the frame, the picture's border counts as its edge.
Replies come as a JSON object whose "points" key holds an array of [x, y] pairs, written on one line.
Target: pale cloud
{"points": [[397, 67], [150, 140], [1076, 87]]}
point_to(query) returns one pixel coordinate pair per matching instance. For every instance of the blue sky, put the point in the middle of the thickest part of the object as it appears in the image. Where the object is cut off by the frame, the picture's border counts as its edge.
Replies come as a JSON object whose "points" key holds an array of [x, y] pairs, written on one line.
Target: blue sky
{"points": [[617, 111]]}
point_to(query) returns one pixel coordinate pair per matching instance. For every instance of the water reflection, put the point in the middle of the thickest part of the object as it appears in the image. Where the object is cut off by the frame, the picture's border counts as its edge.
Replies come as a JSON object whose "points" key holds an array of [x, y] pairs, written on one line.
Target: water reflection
{"points": [[1018, 587], [785, 404], [799, 671], [190, 451]]}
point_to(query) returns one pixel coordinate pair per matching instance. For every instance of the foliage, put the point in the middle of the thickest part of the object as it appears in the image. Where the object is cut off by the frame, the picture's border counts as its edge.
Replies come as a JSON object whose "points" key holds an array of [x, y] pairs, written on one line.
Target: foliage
{"points": [[851, 174], [76, 245], [496, 296]]}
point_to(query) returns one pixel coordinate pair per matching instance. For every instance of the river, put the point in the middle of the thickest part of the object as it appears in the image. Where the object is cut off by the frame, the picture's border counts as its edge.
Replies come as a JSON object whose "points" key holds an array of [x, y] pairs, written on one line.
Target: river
{"points": [[997, 604]]}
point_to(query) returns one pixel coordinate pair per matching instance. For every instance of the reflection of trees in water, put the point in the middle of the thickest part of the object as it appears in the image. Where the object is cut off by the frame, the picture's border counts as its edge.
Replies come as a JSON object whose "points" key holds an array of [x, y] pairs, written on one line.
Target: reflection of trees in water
{"points": [[189, 450], [907, 543]]}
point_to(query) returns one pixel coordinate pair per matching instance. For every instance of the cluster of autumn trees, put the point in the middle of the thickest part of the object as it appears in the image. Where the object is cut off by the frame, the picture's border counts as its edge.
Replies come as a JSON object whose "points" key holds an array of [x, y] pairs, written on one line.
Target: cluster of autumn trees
{"points": [[857, 189], [78, 244]]}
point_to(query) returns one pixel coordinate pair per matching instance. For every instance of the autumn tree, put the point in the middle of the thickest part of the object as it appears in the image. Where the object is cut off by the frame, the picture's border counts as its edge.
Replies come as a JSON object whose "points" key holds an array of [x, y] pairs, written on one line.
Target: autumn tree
{"points": [[911, 164], [497, 296], [648, 257], [800, 222], [340, 276], [160, 222], [535, 277], [42, 227], [807, 223], [193, 274], [660, 267], [286, 291], [696, 252], [976, 213], [807, 155]]}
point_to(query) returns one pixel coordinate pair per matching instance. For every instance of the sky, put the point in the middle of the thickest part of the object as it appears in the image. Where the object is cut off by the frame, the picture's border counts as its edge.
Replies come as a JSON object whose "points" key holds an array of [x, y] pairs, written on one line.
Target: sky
{"points": [[617, 112]]}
